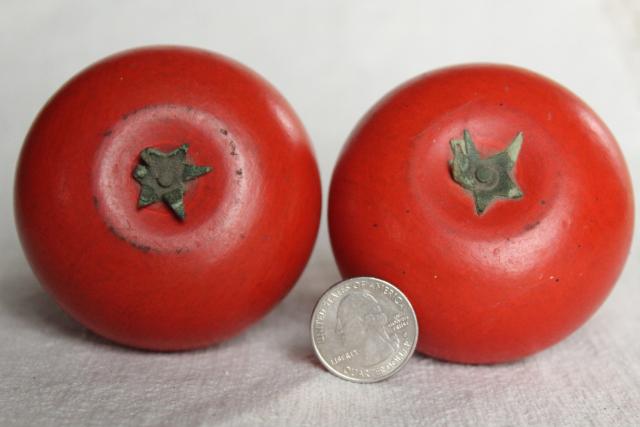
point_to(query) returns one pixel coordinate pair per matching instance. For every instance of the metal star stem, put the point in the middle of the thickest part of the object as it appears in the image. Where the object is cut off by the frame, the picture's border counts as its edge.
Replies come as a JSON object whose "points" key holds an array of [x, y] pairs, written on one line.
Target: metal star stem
{"points": [[487, 178], [162, 177]]}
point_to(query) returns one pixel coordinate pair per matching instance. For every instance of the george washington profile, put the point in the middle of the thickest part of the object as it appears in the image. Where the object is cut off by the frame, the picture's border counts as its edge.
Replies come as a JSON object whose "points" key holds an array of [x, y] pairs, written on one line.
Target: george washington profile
{"points": [[361, 325]]}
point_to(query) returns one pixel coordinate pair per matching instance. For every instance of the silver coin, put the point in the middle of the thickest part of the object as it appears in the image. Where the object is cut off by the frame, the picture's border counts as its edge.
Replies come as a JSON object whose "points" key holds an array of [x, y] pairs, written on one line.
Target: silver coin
{"points": [[364, 329]]}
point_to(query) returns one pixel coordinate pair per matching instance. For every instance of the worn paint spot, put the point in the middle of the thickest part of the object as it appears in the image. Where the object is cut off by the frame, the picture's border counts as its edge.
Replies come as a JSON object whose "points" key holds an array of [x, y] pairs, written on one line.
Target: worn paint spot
{"points": [[143, 248]]}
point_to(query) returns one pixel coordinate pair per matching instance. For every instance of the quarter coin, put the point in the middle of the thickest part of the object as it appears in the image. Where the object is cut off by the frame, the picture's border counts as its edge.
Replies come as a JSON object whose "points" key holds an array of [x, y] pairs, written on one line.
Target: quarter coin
{"points": [[364, 329]]}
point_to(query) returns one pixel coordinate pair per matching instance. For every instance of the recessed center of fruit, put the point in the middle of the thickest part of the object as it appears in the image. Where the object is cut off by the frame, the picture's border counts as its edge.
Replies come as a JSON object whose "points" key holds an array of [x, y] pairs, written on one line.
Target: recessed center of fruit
{"points": [[162, 177], [166, 176], [487, 178], [485, 175]]}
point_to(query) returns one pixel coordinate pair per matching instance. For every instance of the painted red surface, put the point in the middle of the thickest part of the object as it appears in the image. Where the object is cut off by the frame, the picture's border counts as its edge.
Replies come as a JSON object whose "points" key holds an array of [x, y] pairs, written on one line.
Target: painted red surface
{"points": [[142, 277], [525, 274]]}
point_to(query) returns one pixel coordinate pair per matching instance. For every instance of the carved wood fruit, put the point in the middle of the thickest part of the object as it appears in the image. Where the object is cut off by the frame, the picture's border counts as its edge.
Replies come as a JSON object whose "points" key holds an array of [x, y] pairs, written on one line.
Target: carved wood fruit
{"points": [[495, 199], [167, 198]]}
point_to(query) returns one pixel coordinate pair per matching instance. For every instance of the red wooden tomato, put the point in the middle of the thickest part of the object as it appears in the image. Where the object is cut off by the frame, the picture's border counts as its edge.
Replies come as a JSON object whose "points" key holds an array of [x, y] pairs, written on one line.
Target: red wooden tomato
{"points": [[167, 198], [495, 199]]}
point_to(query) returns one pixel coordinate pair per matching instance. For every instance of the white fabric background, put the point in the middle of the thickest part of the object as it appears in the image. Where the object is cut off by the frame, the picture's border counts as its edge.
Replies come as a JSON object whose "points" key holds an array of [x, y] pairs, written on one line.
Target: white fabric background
{"points": [[332, 60]]}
